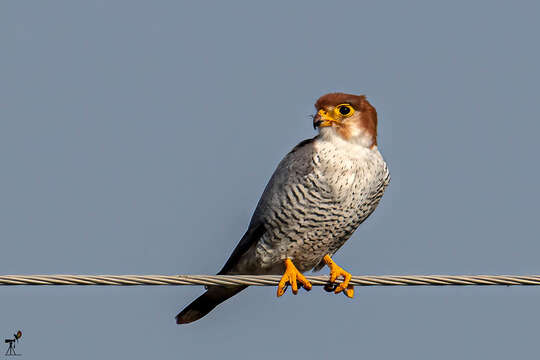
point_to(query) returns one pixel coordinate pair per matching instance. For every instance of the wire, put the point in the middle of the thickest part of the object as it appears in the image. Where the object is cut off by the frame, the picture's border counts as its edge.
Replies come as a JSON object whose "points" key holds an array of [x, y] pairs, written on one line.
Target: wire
{"points": [[266, 280]]}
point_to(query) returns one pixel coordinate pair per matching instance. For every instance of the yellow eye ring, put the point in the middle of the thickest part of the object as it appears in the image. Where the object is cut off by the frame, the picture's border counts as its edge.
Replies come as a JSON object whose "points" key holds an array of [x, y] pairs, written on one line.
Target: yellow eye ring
{"points": [[344, 110]]}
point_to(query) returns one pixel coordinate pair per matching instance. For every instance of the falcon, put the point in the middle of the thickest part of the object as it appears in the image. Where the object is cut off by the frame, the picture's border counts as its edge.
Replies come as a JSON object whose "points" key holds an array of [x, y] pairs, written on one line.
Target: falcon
{"points": [[318, 195]]}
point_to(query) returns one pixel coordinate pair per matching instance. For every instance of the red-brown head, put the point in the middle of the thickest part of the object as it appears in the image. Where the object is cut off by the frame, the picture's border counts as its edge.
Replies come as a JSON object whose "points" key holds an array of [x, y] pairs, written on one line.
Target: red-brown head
{"points": [[351, 116]]}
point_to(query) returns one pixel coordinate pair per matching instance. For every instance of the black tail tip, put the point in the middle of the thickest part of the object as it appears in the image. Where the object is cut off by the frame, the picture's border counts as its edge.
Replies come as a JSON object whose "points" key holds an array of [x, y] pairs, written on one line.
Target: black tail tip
{"points": [[214, 296], [180, 320], [188, 316]]}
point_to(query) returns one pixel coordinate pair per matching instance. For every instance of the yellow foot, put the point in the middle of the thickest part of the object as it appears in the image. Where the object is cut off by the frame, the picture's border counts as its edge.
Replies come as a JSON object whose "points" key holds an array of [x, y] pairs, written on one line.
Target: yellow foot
{"points": [[290, 277], [335, 272]]}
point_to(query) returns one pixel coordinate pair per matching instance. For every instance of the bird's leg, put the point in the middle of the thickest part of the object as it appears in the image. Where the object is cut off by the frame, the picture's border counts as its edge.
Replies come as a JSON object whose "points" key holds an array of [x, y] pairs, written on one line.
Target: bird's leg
{"points": [[290, 276], [335, 272]]}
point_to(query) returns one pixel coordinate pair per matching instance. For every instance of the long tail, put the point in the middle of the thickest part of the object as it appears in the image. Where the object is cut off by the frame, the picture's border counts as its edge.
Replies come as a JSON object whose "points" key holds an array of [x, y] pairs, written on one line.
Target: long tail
{"points": [[214, 296]]}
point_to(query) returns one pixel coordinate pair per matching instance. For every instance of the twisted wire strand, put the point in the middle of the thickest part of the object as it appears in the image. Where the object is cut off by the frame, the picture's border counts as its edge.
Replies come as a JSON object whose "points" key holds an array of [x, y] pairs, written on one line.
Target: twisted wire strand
{"points": [[266, 280]]}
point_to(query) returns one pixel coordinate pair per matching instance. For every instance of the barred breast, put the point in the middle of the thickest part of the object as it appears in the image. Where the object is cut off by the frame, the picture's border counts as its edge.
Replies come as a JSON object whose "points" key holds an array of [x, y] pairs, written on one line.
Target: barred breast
{"points": [[319, 194]]}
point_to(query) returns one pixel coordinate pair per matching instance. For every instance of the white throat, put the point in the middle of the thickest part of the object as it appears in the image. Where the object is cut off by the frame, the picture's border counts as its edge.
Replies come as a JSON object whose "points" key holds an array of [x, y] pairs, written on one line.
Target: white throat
{"points": [[358, 138]]}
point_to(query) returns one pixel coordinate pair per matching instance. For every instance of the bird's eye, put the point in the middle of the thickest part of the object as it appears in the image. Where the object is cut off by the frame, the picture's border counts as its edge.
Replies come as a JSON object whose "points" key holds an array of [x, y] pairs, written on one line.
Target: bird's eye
{"points": [[345, 109]]}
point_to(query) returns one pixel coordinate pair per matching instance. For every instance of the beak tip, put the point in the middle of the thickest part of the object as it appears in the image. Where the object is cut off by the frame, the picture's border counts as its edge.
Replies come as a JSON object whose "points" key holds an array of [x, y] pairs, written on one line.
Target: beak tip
{"points": [[317, 121]]}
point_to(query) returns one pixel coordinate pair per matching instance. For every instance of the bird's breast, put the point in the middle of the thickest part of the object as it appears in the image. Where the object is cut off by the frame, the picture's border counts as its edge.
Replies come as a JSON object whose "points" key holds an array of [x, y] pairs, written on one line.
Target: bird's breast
{"points": [[313, 213], [350, 171]]}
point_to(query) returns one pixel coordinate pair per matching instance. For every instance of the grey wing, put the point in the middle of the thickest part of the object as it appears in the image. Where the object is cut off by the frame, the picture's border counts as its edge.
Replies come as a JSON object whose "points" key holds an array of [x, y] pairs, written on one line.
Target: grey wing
{"points": [[296, 164]]}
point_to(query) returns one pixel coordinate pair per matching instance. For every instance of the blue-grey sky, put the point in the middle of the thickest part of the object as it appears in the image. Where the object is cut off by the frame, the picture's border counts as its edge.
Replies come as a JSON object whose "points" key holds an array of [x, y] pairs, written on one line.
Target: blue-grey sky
{"points": [[136, 138]]}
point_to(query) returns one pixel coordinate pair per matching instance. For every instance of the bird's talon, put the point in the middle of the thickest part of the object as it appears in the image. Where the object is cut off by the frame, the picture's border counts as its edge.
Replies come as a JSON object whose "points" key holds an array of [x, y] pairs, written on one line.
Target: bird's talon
{"points": [[336, 272], [330, 287], [291, 276], [349, 292], [294, 286], [305, 282]]}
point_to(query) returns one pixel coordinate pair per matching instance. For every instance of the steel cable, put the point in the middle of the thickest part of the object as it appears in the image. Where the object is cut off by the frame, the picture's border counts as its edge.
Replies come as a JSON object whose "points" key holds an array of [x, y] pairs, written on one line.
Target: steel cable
{"points": [[265, 280]]}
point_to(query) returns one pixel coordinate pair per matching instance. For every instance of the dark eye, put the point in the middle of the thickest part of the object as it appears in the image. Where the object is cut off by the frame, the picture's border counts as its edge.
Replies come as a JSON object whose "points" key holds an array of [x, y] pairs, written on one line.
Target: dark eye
{"points": [[344, 110]]}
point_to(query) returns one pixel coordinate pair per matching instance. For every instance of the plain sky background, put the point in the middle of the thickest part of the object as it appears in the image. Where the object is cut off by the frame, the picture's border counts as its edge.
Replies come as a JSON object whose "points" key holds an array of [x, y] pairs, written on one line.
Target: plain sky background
{"points": [[136, 138]]}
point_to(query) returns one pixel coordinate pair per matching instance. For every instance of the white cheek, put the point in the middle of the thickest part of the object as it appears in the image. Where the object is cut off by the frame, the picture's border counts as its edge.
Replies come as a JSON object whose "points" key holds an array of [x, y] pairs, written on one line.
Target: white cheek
{"points": [[359, 136], [365, 140], [355, 132]]}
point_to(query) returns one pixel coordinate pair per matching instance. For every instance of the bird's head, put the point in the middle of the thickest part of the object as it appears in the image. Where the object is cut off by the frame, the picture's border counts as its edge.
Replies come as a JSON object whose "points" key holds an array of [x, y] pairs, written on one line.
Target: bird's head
{"points": [[349, 116]]}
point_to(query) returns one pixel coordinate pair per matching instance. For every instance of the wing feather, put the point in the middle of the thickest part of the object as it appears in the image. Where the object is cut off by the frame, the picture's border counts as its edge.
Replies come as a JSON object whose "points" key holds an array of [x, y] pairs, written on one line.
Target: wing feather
{"points": [[296, 161]]}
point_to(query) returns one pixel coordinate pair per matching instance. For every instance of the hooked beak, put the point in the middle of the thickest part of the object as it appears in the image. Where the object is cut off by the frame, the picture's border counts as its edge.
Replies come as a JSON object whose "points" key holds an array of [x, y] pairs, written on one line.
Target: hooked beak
{"points": [[323, 119]]}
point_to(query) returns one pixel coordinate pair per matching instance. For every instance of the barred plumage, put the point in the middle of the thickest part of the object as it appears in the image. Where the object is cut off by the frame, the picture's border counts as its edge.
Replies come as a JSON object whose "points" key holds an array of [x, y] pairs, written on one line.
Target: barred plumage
{"points": [[309, 211]]}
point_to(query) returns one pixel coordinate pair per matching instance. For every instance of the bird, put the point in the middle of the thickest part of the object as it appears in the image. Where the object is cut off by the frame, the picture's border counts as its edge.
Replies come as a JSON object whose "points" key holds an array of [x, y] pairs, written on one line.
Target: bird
{"points": [[319, 194]]}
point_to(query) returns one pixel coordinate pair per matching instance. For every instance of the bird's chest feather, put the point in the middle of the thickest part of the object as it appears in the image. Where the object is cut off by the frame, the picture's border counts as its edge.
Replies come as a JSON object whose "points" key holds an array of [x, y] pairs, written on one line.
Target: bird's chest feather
{"points": [[347, 172], [315, 213]]}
